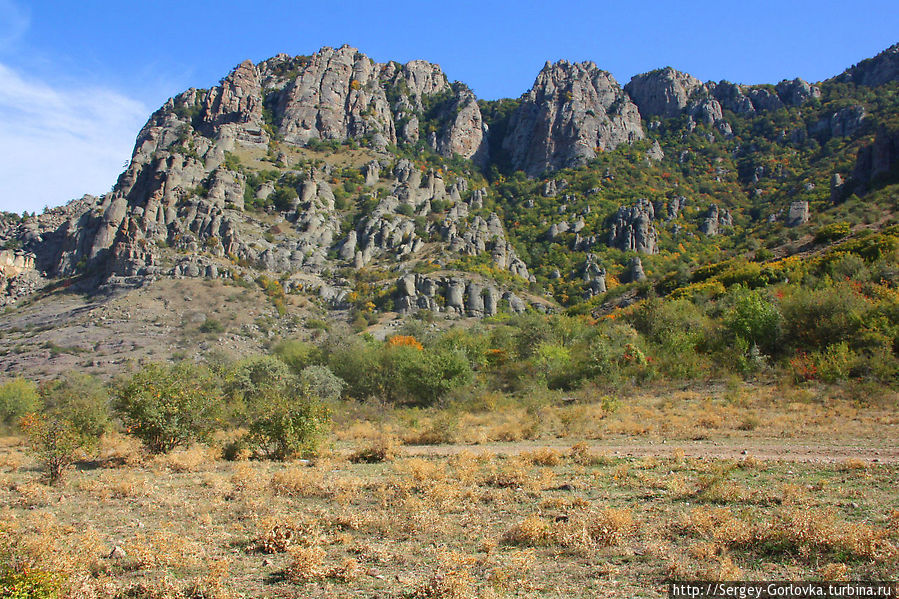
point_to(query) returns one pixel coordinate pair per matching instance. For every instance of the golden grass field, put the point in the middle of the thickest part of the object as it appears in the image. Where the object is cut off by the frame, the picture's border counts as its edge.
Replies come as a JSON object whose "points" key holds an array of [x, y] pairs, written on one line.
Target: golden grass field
{"points": [[510, 502]]}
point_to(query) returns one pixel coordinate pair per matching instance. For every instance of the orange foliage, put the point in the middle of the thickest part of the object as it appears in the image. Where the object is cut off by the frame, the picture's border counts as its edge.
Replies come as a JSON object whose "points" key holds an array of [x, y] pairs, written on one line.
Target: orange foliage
{"points": [[404, 341]]}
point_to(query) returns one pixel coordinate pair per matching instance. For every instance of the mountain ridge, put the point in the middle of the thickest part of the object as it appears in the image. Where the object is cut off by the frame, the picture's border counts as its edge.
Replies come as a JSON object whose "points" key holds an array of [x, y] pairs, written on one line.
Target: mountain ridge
{"points": [[303, 166]]}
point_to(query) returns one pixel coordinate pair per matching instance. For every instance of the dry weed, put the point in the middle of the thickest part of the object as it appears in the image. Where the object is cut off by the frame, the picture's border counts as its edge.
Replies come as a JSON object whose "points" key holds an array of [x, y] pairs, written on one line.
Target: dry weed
{"points": [[194, 459], [307, 564], [164, 549], [544, 456], [533, 531], [420, 470], [298, 482], [446, 584], [382, 448], [117, 449], [516, 473], [833, 571], [278, 535]]}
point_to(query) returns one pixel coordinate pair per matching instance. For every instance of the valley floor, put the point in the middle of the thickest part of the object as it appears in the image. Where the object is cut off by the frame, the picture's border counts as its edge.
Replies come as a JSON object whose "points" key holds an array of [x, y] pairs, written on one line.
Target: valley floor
{"points": [[550, 514]]}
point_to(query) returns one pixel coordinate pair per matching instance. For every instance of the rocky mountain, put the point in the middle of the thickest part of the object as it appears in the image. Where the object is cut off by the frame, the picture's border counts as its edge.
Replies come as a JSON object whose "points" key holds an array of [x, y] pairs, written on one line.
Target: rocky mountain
{"points": [[377, 187]]}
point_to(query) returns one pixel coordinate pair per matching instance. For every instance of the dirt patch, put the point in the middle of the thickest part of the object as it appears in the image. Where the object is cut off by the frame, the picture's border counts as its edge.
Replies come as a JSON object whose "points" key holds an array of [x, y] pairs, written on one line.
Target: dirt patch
{"points": [[719, 450]]}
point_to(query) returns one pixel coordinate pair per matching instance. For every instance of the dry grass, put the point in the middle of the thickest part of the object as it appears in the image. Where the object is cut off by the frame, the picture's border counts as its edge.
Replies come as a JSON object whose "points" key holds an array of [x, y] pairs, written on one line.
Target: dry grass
{"points": [[382, 447], [477, 522]]}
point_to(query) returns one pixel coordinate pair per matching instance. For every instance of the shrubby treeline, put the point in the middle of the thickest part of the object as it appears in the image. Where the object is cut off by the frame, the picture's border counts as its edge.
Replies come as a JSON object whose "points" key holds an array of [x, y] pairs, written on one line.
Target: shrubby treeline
{"points": [[831, 319]]}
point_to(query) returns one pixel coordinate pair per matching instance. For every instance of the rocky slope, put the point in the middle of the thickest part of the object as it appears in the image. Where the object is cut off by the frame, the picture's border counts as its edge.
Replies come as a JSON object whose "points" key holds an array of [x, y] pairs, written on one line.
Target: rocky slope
{"points": [[362, 184]]}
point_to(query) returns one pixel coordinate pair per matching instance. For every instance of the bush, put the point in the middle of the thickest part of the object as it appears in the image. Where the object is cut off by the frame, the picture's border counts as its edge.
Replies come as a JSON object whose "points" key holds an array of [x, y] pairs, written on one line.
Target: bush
{"points": [[212, 326], [29, 584], [427, 376], [167, 406], [816, 318], [321, 382], [285, 425], [256, 376], [832, 232], [18, 397], [835, 362], [296, 354]]}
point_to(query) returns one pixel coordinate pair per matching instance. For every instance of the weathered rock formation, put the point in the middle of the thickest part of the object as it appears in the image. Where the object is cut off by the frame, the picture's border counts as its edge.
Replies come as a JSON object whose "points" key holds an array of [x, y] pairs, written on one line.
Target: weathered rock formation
{"points": [[632, 228], [798, 214], [636, 273], [573, 111], [663, 93], [874, 162], [452, 295], [715, 220], [594, 277]]}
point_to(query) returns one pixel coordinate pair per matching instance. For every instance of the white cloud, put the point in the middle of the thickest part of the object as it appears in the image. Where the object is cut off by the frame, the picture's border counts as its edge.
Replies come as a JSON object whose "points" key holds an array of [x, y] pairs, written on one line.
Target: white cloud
{"points": [[60, 142]]}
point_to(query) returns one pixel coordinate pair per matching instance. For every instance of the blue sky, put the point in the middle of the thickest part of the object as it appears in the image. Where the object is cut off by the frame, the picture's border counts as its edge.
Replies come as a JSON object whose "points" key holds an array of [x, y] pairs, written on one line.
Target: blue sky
{"points": [[79, 79]]}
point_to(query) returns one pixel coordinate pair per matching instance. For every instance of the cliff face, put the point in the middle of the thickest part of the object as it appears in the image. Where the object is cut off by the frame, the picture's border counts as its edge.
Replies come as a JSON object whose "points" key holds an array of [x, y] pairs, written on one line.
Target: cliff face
{"points": [[573, 111], [178, 191]]}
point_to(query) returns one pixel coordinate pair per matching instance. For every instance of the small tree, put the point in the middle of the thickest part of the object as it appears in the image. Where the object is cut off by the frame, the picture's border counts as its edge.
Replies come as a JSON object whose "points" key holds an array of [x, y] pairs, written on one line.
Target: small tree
{"points": [[74, 415], [754, 320], [167, 406]]}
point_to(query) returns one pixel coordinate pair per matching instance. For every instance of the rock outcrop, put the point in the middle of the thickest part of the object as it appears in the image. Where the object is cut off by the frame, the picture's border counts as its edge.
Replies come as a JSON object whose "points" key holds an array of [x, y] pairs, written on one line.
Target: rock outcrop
{"points": [[875, 161], [594, 277], [573, 111], [632, 228], [715, 220], [636, 272], [846, 122], [796, 92], [878, 70], [664, 93], [798, 214], [452, 295]]}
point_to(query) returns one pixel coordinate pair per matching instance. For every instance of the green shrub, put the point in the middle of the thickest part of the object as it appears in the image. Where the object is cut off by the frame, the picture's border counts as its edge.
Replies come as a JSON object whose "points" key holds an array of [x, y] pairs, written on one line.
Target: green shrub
{"points": [[357, 363], [754, 320], [296, 354], [832, 232], [18, 397], [29, 584], [286, 424], [817, 318], [210, 325], [835, 362], [433, 374], [256, 376], [321, 382], [167, 406]]}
